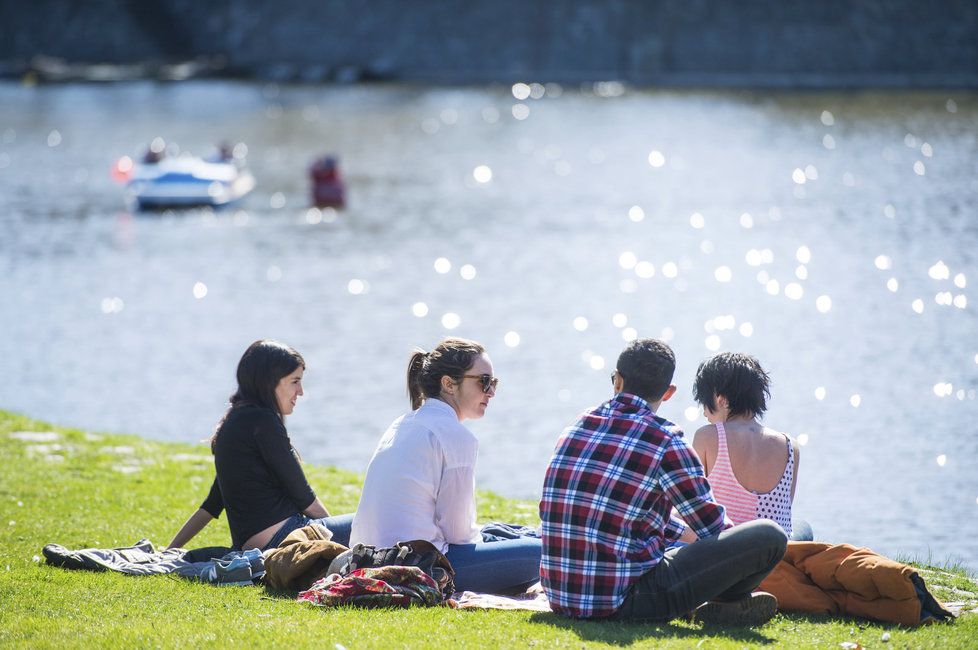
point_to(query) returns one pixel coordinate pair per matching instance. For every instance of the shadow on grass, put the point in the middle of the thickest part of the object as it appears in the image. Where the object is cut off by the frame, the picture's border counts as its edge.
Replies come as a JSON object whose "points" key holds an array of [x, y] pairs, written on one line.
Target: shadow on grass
{"points": [[268, 593], [623, 634]]}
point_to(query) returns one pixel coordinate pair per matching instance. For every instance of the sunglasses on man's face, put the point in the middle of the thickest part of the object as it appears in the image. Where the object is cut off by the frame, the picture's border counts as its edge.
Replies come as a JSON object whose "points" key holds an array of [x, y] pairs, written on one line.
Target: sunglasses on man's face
{"points": [[488, 381]]}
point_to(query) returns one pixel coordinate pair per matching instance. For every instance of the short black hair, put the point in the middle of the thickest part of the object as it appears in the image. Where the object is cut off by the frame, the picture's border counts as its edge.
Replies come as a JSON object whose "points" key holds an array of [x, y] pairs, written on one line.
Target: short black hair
{"points": [[739, 378], [646, 367]]}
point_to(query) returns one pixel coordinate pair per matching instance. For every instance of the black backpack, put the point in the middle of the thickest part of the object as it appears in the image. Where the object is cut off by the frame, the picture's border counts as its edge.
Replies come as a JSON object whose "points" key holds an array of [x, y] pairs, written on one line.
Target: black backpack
{"points": [[418, 553]]}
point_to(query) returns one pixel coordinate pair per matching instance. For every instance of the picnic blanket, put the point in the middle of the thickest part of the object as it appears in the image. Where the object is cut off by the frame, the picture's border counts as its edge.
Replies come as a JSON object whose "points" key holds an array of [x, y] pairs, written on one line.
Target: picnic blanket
{"points": [[533, 599]]}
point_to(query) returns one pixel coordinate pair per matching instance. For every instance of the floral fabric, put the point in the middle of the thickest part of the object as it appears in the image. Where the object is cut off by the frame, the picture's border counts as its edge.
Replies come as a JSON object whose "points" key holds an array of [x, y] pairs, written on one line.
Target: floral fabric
{"points": [[387, 586]]}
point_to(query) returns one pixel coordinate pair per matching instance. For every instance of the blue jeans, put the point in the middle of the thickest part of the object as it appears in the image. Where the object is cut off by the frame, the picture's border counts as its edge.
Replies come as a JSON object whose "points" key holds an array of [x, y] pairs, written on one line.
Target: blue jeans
{"points": [[801, 531], [339, 525], [504, 567]]}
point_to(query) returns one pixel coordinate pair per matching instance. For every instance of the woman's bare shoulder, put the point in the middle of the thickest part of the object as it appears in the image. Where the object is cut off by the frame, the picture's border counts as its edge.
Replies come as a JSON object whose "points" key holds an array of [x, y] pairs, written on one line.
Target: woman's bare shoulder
{"points": [[775, 433], [780, 437], [705, 436]]}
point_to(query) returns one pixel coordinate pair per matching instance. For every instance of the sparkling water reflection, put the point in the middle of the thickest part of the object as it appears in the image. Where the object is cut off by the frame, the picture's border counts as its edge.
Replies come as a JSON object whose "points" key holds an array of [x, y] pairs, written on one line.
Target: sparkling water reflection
{"points": [[553, 225]]}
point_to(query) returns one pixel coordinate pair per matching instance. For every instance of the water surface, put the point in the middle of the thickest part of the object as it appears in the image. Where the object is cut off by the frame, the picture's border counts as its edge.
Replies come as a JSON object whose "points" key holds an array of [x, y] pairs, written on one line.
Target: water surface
{"points": [[831, 235]]}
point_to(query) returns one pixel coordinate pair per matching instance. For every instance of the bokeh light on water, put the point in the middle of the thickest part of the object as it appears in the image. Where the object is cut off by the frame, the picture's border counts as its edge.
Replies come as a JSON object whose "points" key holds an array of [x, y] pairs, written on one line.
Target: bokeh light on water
{"points": [[831, 235]]}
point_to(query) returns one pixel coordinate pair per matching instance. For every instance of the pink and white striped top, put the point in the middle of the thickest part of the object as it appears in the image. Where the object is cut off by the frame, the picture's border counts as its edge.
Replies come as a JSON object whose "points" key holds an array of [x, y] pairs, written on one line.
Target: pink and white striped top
{"points": [[743, 505]]}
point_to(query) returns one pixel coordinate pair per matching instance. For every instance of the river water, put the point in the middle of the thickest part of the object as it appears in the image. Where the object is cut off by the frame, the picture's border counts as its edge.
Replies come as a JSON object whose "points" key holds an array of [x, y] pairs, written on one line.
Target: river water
{"points": [[833, 235]]}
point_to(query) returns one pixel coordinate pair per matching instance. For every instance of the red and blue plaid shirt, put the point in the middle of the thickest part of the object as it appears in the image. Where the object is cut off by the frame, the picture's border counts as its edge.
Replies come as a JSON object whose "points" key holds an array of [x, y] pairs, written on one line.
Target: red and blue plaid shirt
{"points": [[607, 501]]}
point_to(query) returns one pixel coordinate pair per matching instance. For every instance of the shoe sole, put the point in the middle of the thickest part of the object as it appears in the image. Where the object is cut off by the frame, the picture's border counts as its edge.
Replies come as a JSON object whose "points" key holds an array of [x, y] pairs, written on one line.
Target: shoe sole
{"points": [[756, 609]]}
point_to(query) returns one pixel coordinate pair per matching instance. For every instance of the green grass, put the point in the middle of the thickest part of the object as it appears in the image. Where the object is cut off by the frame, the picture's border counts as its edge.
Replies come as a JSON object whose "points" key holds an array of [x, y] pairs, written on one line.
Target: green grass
{"points": [[84, 490]]}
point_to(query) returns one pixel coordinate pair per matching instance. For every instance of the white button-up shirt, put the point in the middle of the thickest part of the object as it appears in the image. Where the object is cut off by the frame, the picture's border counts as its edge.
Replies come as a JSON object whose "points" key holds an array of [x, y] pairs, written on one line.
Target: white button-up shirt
{"points": [[420, 482]]}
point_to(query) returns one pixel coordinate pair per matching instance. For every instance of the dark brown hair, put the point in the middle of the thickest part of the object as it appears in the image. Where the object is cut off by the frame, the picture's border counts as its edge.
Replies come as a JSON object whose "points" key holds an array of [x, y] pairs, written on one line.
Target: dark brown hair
{"points": [[261, 367], [452, 357]]}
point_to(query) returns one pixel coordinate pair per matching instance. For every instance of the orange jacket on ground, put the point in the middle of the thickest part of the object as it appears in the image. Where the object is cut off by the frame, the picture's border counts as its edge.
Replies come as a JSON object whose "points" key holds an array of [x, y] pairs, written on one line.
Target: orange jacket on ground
{"points": [[840, 579]]}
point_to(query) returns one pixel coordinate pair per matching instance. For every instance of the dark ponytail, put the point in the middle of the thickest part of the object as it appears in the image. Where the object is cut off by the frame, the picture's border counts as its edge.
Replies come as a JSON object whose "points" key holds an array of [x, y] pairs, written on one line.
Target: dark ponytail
{"points": [[452, 357], [415, 368]]}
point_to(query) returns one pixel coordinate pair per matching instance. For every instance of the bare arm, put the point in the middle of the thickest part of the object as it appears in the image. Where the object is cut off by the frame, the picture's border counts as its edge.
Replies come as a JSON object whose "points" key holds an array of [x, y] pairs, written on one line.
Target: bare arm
{"points": [[705, 444], [194, 525], [794, 479], [316, 510]]}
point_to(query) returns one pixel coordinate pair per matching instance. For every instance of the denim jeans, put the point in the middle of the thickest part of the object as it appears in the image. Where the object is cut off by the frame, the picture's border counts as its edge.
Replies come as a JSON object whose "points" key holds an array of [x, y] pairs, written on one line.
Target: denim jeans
{"points": [[339, 525], [726, 567], [503, 567], [801, 531]]}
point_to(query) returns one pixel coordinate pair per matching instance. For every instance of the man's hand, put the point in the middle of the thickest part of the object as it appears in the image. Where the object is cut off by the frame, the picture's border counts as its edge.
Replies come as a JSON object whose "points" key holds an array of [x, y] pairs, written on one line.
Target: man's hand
{"points": [[688, 536]]}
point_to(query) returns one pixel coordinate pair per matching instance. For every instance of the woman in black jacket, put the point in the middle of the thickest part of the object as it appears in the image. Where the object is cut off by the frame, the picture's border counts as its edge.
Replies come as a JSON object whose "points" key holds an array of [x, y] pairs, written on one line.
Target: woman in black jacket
{"points": [[259, 480]]}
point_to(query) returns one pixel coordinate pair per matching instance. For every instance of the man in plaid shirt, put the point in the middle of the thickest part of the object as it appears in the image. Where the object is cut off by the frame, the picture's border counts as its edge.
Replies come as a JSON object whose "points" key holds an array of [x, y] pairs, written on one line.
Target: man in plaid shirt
{"points": [[607, 513]]}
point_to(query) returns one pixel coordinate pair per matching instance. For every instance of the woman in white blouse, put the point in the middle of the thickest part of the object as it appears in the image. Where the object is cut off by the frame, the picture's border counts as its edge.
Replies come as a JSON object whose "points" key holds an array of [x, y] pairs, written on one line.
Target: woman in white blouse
{"points": [[420, 483]]}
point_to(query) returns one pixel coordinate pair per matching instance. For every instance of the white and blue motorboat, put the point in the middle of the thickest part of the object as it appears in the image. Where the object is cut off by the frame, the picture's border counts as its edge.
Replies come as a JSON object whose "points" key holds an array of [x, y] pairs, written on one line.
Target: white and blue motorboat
{"points": [[187, 181]]}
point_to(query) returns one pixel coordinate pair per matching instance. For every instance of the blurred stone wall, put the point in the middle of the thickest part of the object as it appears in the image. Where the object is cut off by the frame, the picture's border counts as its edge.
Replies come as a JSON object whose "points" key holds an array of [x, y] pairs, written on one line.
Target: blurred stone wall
{"points": [[773, 43]]}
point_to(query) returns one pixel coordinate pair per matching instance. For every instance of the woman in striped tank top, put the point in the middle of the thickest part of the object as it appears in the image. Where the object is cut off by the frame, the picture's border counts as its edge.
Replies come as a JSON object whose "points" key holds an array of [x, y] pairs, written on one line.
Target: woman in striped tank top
{"points": [[752, 469]]}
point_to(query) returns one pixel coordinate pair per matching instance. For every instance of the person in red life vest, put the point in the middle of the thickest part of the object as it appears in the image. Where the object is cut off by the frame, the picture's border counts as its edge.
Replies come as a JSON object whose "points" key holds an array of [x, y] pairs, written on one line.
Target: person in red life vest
{"points": [[328, 189]]}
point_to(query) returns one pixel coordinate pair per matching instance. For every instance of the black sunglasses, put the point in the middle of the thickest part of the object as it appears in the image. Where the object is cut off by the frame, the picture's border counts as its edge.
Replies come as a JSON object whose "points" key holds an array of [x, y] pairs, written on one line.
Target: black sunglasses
{"points": [[488, 381]]}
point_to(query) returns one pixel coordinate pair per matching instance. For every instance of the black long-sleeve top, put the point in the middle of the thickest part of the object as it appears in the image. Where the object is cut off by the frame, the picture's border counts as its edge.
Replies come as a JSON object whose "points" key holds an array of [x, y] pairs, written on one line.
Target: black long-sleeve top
{"points": [[259, 480]]}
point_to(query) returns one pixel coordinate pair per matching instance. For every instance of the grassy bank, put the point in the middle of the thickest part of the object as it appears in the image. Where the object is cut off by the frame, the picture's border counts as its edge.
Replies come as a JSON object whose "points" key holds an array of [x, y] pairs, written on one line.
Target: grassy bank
{"points": [[91, 490]]}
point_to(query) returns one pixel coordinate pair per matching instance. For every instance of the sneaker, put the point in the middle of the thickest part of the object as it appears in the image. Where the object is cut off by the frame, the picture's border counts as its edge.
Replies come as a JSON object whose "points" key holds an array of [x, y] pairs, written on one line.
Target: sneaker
{"points": [[257, 561], [756, 609], [237, 572]]}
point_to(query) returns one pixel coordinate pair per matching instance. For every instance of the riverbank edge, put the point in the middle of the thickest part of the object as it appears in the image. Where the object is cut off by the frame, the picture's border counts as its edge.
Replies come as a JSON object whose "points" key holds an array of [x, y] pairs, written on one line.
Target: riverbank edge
{"points": [[52, 71], [756, 42], [86, 489]]}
